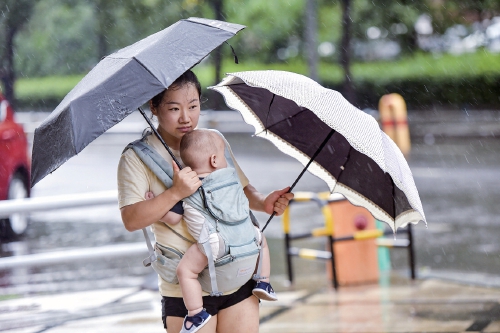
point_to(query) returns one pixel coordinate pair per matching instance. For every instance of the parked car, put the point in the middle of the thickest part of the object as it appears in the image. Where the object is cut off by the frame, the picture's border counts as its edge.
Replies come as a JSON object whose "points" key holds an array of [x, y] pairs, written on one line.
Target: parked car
{"points": [[14, 170]]}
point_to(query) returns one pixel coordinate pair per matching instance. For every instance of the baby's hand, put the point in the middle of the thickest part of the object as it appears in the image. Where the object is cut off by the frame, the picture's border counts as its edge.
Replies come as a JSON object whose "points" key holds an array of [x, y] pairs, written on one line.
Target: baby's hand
{"points": [[165, 219]]}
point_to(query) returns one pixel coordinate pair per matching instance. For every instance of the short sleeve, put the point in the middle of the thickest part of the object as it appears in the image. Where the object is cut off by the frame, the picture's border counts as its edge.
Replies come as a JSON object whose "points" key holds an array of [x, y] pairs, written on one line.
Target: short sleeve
{"points": [[133, 179]]}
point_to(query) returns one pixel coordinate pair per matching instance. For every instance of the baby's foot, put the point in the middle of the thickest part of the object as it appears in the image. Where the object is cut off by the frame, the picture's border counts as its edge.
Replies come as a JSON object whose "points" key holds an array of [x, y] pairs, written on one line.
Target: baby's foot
{"points": [[149, 195], [194, 323], [264, 291]]}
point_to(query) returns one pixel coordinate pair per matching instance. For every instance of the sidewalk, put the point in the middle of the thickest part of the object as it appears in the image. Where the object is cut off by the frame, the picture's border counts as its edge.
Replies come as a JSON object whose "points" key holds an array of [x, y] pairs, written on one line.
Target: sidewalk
{"points": [[420, 306]]}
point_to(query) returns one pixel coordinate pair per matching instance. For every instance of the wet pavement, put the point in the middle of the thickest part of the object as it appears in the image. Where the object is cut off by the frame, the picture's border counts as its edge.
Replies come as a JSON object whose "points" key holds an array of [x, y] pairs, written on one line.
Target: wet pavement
{"points": [[422, 306], [455, 161]]}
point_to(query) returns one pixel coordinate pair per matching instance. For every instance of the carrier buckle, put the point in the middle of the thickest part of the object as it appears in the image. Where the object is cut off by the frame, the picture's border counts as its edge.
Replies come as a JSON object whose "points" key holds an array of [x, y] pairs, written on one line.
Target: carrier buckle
{"points": [[257, 277], [216, 294], [149, 260]]}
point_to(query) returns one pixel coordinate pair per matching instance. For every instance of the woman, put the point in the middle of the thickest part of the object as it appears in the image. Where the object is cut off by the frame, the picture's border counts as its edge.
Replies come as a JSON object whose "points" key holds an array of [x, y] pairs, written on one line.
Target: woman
{"points": [[178, 112]]}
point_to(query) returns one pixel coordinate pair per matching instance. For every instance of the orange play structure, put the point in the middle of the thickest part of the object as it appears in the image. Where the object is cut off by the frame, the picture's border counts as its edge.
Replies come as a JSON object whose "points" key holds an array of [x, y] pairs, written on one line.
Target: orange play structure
{"points": [[393, 115], [356, 262]]}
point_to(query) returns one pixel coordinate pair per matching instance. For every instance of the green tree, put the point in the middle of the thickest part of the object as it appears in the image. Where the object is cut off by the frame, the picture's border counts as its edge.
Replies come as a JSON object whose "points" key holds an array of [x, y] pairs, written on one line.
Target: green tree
{"points": [[58, 40], [68, 37], [358, 15], [272, 25], [396, 18], [15, 13], [447, 13], [311, 38]]}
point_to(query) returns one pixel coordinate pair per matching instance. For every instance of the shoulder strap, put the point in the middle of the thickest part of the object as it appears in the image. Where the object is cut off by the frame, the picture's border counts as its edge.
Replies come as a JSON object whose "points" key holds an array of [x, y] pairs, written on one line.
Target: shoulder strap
{"points": [[157, 164], [163, 170]]}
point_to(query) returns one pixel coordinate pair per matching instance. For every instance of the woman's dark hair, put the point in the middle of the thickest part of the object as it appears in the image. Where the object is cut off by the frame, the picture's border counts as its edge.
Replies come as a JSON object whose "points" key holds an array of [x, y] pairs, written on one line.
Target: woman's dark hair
{"points": [[186, 78]]}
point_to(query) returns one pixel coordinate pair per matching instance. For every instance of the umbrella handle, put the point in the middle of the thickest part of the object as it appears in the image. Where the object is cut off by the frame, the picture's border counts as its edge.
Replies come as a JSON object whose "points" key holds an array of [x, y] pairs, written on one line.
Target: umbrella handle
{"points": [[155, 131], [303, 171], [270, 218], [274, 213]]}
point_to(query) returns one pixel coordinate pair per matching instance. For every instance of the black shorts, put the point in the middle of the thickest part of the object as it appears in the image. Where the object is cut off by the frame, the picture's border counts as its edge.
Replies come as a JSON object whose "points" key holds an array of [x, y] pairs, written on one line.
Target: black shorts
{"points": [[174, 306]]}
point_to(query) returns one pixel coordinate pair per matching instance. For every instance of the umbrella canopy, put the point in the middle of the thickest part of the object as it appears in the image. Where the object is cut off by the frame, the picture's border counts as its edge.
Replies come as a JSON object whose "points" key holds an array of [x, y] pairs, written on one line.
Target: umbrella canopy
{"points": [[119, 84], [348, 149]]}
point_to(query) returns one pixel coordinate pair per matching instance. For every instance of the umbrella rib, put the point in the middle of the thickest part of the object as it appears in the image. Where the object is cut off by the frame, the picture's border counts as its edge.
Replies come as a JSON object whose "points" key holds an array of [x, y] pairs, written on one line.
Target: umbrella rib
{"points": [[269, 111], [320, 148], [266, 128], [342, 168]]}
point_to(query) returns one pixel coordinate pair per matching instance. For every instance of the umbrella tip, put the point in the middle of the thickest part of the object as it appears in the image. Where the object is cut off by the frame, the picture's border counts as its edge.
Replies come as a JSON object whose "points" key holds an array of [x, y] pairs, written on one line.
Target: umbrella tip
{"points": [[234, 53]]}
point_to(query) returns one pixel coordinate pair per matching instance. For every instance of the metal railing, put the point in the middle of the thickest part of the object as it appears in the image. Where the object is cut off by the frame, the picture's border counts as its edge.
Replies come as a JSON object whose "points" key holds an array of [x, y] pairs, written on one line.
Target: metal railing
{"points": [[30, 205]]}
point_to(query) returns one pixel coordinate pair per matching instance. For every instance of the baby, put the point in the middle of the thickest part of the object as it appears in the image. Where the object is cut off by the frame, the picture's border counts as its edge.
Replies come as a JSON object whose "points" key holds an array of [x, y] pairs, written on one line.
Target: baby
{"points": [[203, 151]]}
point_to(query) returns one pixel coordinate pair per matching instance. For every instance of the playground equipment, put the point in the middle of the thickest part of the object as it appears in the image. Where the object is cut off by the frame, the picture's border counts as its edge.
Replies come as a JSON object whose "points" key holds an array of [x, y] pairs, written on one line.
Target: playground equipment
{"points": [[352, 240]]}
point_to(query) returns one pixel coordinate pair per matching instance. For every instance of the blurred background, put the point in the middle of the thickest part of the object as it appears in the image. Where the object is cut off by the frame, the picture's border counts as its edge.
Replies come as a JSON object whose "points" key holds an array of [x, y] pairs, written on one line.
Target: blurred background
{"points": [[441, 53], [441, 56]]}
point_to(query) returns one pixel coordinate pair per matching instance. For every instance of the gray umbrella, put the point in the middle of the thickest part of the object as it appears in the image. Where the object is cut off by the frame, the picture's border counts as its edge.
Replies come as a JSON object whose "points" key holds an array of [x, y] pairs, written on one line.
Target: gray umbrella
{"points": [[119, 84]]}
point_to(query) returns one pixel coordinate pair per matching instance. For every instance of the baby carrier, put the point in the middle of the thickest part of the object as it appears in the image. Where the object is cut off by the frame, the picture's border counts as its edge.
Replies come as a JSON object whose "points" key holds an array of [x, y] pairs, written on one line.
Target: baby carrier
{"points": [[220, 200]]}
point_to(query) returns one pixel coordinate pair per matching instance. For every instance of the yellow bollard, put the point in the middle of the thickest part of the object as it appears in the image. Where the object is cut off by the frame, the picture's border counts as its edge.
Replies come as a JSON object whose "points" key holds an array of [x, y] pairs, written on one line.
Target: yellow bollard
{"points": [[286, 220], [393, 115]]}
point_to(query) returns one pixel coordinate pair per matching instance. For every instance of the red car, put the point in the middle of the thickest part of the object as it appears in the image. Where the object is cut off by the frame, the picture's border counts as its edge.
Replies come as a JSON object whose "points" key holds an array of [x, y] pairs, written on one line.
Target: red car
{"points": [[14, 170]]}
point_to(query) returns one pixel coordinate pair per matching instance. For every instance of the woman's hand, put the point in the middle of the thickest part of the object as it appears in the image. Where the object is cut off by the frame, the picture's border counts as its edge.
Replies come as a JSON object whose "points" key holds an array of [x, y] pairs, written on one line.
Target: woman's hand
{"points": [[185, 182], [144, 213], [275, 201]]}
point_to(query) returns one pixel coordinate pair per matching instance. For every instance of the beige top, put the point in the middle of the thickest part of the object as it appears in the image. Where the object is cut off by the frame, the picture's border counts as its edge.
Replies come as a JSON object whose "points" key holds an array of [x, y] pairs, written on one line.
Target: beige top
{"points": [[135, 179]]}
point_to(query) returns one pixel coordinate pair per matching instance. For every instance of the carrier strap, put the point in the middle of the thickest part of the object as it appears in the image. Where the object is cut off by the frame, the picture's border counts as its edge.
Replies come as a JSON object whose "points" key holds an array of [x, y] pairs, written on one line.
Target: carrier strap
{"points": [[257, 276], [204, 240], [179, 235], [152, 254]]}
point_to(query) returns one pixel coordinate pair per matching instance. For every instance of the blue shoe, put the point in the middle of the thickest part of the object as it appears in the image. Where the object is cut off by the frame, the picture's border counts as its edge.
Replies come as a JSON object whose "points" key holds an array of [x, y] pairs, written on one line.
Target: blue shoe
{"points": [[264, 291], [198, 321]]}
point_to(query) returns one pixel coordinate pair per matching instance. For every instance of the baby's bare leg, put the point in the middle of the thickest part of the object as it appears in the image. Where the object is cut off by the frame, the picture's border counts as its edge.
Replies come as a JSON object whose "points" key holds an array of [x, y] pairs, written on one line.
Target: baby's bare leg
{"points": [[191, 264], [265, 269]]}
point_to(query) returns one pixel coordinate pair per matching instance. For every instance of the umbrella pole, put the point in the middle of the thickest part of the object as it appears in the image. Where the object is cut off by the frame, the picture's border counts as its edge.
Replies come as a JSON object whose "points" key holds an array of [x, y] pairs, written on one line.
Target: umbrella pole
{"points": [[155, 131], [320, 148]]}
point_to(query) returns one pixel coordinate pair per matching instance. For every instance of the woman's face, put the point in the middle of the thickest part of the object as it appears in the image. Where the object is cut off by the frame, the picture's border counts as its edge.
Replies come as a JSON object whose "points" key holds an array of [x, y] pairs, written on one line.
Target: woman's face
{"points": [[178, 113]]}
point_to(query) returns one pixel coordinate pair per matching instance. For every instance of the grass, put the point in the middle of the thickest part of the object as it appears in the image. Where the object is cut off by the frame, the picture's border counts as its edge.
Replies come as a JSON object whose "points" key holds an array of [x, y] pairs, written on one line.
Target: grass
{"points": [[45, 87], [429, 65], [416, 66]]}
